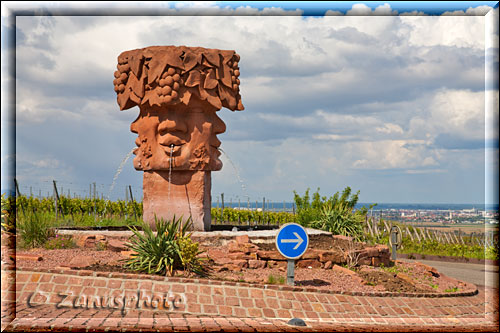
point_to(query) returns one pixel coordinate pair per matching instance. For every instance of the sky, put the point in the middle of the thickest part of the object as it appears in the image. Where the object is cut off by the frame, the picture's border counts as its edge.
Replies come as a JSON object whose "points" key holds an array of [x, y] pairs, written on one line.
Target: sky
{"points": [[399, 102]]}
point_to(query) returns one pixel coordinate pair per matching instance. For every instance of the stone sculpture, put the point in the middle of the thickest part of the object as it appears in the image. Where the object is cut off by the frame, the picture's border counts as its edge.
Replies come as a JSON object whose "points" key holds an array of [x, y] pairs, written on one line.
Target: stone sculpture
{"points": [[178, 91]]}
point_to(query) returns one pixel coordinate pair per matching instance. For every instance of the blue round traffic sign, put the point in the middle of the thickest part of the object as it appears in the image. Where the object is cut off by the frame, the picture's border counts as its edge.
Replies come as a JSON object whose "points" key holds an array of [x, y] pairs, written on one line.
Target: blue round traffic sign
{"points": [[292, 240]]}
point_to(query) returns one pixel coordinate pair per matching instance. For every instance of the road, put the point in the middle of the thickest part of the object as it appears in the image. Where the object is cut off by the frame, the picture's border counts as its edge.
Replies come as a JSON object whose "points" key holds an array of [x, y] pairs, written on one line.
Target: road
{"points": [[478, 274]]}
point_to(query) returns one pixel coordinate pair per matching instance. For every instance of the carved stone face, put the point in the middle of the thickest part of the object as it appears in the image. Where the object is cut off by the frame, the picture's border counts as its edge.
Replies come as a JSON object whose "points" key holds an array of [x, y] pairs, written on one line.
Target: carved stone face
{"points": [[181, 136]]}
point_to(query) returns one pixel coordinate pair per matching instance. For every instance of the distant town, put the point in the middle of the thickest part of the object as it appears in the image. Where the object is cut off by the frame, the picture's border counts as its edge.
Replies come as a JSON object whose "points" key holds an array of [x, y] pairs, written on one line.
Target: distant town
{"points": [[462, 216]]}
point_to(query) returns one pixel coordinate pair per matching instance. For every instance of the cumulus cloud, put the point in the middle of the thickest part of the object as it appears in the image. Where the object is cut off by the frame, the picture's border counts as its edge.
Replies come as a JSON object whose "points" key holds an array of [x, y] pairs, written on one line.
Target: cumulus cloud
{"points": [[362, 10], [471, 11]]}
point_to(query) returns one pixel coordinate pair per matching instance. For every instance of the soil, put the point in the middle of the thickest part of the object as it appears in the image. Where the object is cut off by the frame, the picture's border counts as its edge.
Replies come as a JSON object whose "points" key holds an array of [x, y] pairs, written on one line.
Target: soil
{"points": [[402, 277]]}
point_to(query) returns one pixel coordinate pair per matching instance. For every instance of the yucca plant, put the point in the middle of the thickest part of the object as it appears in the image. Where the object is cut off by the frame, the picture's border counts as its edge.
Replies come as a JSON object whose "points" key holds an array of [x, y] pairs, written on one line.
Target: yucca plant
{"points": [[165, 251], [339, 219]]}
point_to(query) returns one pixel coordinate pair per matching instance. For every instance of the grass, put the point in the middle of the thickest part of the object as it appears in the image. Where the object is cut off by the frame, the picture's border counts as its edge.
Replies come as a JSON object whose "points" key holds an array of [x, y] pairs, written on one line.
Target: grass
{"points": [[394, 269], [59, 242], [33, 230], [271, 279]]}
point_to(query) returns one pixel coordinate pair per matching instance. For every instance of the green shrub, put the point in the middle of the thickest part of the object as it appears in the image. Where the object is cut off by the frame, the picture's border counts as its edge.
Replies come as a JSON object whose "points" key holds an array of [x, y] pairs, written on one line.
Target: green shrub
{"points": [[169, 249], [60, 242], [335, 214], [340, 220], [34, 230]]}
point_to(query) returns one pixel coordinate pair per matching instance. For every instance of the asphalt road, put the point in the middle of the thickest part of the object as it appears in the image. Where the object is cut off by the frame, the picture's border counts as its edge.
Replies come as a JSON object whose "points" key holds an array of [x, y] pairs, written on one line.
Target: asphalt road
{"points": [[478, 274]]}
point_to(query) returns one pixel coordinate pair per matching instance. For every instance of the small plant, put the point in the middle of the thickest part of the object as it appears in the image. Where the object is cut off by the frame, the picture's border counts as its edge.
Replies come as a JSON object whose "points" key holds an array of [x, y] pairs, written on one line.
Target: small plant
{"points": [[34, 230], [394, 269], [451, 290], [271, 279], [435, 286], [101, 246], [165, 251], [59, 242], [351, 255]]}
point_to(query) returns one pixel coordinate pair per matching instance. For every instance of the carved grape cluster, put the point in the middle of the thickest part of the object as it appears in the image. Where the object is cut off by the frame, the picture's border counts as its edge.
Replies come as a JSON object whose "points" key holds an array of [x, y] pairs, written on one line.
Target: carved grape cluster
{"points": [[169, 83], [121, 76], [235, 72]]}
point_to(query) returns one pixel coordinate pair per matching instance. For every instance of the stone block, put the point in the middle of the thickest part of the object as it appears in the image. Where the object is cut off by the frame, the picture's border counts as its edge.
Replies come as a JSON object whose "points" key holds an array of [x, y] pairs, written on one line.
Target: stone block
{"points": [[372, 251], [256, 264], [333, 256], [276, 264], [80, 262], [116, 245], [270, 255], [309, 263], [242, 239]]}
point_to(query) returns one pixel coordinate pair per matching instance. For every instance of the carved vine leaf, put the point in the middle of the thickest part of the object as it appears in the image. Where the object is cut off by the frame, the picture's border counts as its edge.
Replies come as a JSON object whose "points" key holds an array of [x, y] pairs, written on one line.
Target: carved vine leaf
{"points": [[136, 61], [136, 85], [213, 99], [193, 79], [212, 58], [226, 76], [191, 60], [185, 96], [210, 80]]}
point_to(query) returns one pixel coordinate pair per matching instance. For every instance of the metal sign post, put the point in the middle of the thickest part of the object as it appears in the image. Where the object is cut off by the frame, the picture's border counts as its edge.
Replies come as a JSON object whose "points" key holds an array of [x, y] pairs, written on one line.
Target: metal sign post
{"points": [[290, 272], [395, 240], [291, 241]]}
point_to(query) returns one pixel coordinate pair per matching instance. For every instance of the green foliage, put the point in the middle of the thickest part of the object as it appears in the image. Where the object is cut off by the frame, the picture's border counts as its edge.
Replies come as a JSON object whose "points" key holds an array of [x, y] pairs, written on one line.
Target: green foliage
{"points": [[34, 230], [169, 249], [433, 247], [307, 210], [451, 290], [73, 207], [491, 252], [60, 242], [271, 279], [8, 214], [234, 215], [335, 214]]}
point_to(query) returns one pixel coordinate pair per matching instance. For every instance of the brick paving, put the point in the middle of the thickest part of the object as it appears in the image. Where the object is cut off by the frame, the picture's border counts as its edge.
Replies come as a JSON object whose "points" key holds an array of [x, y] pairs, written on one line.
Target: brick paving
{"points": [[55, 300]]}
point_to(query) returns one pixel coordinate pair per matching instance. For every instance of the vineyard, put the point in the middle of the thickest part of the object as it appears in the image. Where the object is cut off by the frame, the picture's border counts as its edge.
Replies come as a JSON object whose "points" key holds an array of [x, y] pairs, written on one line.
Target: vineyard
{"points": [[65, 211], [73, 208]]}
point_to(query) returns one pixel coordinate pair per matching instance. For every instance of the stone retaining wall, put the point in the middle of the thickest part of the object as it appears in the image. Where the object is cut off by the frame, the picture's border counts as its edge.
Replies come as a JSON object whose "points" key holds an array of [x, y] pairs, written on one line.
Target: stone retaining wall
{"points": [[242, 253]]}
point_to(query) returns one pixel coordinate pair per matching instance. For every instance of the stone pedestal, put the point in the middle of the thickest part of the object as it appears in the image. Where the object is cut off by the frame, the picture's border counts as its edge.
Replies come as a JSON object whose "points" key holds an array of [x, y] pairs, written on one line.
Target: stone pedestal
{"points": [[189, 195], [178, 91]]}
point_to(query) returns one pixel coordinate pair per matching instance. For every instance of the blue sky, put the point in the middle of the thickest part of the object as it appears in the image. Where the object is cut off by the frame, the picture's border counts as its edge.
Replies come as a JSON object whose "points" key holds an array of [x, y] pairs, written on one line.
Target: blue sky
{"points": [[383, 97]]}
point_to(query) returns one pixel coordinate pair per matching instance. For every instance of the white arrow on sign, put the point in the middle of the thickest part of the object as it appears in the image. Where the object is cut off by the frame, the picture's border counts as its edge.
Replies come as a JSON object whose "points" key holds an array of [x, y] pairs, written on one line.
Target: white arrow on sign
{"points": [[297, 240]]}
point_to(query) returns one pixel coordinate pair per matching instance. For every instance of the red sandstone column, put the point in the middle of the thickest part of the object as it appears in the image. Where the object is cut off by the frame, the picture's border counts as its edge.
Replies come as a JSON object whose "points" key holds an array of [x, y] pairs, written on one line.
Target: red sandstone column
{"points": [[178, 91]]}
